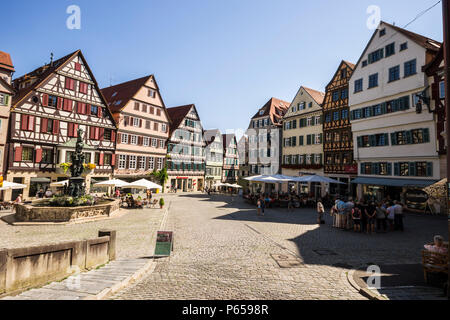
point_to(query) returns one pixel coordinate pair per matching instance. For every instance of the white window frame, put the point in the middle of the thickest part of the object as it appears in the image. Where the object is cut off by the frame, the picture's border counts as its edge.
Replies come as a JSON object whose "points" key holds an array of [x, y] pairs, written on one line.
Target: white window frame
{"points": [[160, 163], [317, 159], [154, 143], [132, 162], [317, 138], [164, 127], [161, 144], [317, 121], [122, 161], [151, 163], [136, 122], [309, 122], [134, 139], [146, 141], [124, 138], [142, 163]]}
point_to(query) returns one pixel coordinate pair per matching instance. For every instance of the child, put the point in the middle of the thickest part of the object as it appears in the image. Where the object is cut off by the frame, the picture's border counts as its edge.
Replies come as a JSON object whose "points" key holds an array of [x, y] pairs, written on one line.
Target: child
{"points": [[356, 216]]}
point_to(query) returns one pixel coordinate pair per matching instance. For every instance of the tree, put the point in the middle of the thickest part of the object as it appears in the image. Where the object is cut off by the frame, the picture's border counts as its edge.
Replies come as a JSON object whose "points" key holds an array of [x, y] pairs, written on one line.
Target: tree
{"points": [[161, 176]]}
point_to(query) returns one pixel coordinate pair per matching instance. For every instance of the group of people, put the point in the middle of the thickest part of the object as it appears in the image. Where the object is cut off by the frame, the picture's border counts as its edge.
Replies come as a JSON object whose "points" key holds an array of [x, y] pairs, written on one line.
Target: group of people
{"points": [[362, 216], [41, 194]]}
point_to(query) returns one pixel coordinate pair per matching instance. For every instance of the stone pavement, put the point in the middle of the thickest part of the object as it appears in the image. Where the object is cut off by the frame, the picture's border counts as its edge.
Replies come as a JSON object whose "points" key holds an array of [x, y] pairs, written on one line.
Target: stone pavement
{"points": [[95, 284], [224, 251]]}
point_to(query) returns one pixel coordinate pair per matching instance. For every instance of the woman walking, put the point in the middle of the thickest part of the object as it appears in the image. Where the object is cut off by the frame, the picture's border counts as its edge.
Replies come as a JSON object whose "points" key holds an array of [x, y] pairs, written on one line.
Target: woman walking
{"points": [[320, 211]]}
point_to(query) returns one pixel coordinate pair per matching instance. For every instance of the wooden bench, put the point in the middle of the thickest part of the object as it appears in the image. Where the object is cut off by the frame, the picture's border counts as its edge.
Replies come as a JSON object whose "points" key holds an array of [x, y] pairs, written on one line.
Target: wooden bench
{"points": [[434, 262]]}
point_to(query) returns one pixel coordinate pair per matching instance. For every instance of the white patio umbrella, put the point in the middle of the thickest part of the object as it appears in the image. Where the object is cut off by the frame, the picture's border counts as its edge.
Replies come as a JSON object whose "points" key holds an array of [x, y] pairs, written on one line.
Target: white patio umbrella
{"points": [[317, 178], [236, 186], [112, 183], [12, 185], [143, 184], [59, 183], [218, 184]]}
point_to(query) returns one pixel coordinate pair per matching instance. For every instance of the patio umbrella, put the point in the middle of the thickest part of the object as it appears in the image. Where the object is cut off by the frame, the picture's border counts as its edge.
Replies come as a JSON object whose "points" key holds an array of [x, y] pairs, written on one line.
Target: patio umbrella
{"points": [[143, 184], [59, 183], [112, 183], [236, 186], [12, 185], [317, 178]]}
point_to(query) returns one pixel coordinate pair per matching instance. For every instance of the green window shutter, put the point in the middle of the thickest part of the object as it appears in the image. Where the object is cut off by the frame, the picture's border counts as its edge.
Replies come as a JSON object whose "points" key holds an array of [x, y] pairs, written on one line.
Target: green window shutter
{"points": [[373, 141], [397, 169], [6, 99], [304, 159], [429, 169], [383, 108], [408, 136], [363, 171], [308, 139], [360, 142], [321, 138], [294, 124], [426, 135], [389, 168], [313, 120], [301, 143], [393, 139], [313, 158], [412, 169], [294, 141], [386, 139], [406, 103], [321, 159]]}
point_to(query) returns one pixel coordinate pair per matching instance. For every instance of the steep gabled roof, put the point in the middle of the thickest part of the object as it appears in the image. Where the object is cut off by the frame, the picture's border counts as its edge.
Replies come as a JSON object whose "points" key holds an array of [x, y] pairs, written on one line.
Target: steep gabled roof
{"points": [[210, 135], [6, 62], [227, 138], [119, 95], [40, 74], [177, 114], [7, 85], [318, 96], [434, 64], [43, 73], [423, 41], [275, 108], [349, 64]]}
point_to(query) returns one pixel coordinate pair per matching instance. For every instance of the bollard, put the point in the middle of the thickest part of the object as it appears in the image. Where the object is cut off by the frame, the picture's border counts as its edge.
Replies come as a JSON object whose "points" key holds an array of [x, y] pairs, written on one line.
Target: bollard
{"points": [[112, 242]]}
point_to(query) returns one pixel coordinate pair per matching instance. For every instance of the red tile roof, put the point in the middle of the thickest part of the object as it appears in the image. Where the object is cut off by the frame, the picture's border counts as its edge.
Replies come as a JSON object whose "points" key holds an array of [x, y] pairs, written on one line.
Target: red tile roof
{"points": [[417, 38], [316, 95], [275, 108], [6, 62], [119, 95], [40, 74], [177, 114]]}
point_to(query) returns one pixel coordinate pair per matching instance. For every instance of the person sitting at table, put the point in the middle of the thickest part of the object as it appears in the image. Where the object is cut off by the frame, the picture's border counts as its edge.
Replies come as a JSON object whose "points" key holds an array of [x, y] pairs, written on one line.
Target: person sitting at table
{"points": [[438, 246]]}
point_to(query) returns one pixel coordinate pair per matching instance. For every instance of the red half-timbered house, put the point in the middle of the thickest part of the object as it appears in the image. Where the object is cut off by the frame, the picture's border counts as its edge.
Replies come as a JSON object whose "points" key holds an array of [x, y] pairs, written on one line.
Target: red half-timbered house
{"points": [[50, 104]]}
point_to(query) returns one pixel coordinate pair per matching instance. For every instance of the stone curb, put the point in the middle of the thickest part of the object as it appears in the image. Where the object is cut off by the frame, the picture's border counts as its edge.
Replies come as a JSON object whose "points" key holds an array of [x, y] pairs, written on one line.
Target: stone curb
{"points": [[363, 291]]}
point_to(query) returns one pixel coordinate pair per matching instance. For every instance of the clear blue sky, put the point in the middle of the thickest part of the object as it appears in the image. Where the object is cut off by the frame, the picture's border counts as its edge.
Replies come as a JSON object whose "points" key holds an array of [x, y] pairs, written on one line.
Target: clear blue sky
{"points": [[226, 56]]}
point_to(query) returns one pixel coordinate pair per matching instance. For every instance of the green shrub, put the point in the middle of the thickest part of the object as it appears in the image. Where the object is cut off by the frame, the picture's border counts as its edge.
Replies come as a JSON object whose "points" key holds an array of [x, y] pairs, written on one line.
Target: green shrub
{"points": [[161, 202]]}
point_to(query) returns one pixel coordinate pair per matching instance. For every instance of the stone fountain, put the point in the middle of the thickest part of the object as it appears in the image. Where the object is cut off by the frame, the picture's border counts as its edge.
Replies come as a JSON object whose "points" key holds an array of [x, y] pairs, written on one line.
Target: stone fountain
{"points": [[76, 187]]}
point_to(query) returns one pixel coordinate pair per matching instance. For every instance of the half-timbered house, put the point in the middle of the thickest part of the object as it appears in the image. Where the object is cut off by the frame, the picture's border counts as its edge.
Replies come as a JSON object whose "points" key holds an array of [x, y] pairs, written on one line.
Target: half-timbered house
{"points": [[6, 93], [337, 132], [143, 122], [51, 103], [230, 159], [186, 163]]}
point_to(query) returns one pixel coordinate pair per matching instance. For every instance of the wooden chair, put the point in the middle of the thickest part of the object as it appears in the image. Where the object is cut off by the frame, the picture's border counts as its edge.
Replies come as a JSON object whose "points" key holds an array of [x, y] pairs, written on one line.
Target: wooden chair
{"points": [[434, 262], [154, 203]]}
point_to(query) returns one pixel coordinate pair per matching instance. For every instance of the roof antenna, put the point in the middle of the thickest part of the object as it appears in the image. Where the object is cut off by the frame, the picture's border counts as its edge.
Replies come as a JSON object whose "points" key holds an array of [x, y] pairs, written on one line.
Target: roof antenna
{"points": [[393, 23], [51, 59]]}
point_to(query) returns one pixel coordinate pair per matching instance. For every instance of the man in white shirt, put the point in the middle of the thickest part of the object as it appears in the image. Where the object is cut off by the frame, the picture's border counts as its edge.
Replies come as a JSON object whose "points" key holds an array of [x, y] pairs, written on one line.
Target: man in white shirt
{"points": [[398, 216]]}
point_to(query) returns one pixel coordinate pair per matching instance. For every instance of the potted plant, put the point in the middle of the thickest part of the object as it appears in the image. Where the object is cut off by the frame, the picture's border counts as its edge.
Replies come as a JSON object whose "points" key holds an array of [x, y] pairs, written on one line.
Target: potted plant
{"points": [[161, 203], [139, 201]]}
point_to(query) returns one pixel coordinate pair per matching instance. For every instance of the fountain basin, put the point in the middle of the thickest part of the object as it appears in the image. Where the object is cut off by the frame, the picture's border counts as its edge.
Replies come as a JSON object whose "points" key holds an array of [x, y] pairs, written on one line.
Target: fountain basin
{"points": [[38, 213]]}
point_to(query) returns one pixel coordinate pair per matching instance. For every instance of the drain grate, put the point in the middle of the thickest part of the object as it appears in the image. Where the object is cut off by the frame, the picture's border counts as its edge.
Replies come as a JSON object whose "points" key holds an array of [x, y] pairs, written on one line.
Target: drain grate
{"points": [[286, 261], [325, 252]]}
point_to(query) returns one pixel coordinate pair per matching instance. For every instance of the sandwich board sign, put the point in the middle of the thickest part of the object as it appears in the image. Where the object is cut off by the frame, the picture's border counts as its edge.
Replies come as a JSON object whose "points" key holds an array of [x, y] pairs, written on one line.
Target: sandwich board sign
{"points": [[164, 243]]}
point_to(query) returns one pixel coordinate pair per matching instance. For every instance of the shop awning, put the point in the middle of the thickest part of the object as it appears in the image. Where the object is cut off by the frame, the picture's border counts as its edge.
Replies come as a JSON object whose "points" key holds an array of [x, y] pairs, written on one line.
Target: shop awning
{"points": [[394, 182]]}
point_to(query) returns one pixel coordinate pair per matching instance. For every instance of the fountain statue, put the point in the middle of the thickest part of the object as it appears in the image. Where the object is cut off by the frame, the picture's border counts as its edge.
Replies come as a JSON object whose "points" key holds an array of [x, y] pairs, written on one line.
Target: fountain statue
{"points": [[76, 187]]}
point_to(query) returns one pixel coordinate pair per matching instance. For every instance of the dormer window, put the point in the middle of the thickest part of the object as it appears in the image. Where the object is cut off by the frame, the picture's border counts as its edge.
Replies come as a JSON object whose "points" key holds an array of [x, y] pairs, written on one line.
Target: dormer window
{"points": [[382, 32], [261, 112]]}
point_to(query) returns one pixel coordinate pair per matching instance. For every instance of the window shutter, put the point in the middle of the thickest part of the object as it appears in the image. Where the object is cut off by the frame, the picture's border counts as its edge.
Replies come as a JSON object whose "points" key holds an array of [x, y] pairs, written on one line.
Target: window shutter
{"points": [[99, 112], [30, 123], [397, 169], [301, 140], [127, 162], [140, 123], [113, 136], [101, 133], [435, 90], [24, 122], [386, 139], [313, 159], [389, 168], [101, 157], [360, 142], [119, 138], [70, 129], [429, 169], [55, 126], [320, 138], [363, 171], [426, 135], [373, 141], [408, 136], [38, 155], [97, 133], [393, 139], [44, 124], [113, 159], [412, 169], [45, 100], [126, 120], [308, 139], [59, 103], [18, 154], [321, 159]]}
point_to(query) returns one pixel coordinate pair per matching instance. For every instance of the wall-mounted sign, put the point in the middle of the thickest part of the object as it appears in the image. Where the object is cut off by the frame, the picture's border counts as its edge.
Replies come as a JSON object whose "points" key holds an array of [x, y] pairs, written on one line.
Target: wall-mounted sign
{"points": [[164, 243]]}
